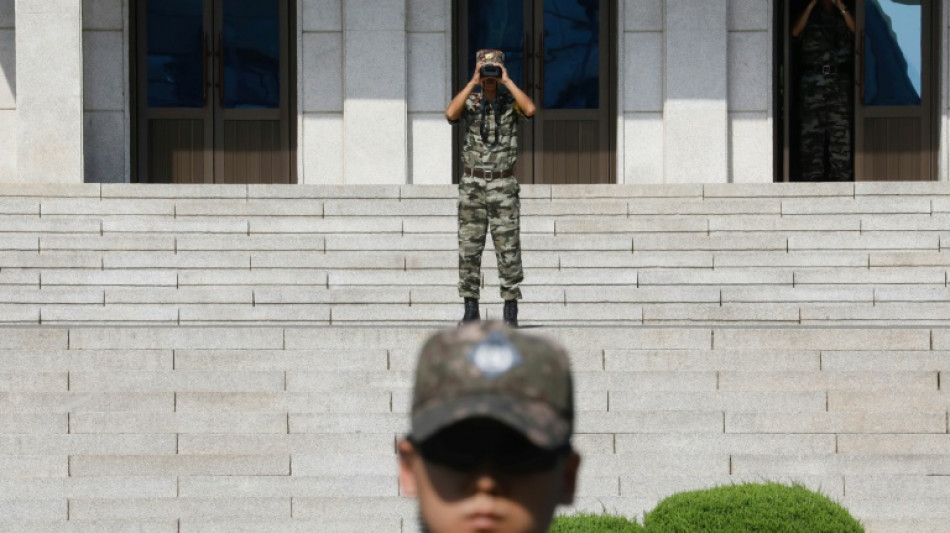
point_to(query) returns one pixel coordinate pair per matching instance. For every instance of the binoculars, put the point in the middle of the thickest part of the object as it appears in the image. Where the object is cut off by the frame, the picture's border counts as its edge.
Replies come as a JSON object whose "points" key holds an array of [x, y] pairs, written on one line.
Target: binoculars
{"points": [[490, 71]]}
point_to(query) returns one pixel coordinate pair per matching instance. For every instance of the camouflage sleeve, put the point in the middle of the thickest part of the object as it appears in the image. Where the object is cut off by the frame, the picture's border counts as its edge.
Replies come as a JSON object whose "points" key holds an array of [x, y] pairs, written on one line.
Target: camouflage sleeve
{"points": [[466, 112], [465, 118], [521, 114]]}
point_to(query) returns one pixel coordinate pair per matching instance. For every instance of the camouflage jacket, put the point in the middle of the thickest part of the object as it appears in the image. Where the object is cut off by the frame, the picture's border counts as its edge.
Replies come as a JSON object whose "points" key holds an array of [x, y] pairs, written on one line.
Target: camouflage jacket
{"points": [[826, 40], [490, 132]]}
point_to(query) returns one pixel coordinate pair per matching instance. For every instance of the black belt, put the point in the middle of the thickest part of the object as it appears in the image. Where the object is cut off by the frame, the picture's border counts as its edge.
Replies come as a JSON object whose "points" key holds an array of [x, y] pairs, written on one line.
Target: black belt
{"points": [[489, 174], [824, 69]]}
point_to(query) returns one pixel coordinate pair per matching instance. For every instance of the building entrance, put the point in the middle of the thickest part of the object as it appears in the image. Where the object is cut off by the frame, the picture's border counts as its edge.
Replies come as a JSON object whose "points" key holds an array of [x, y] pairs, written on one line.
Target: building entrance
{"points": [[562, 54], [213, 91], [864, 111]]}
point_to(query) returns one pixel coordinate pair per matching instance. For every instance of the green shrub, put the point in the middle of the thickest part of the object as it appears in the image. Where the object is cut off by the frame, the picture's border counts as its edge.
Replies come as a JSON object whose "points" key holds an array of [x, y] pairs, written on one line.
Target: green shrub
{"points": [[594, 523], [750, 508]]}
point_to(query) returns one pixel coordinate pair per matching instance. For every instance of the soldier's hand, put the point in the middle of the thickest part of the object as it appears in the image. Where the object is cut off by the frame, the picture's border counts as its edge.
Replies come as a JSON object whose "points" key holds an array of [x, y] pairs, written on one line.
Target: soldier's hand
{"points": [[477, 76], [504, 75]]}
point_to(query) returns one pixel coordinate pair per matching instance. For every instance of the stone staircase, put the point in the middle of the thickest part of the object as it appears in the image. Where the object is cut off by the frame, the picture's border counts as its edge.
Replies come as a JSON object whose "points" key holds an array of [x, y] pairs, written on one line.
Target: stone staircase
{"points": [[238, 358]]}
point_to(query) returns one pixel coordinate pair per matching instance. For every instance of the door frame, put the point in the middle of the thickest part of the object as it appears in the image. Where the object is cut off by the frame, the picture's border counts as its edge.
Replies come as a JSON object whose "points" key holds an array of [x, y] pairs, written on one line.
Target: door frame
{"points": [[526, 165], [783, 90], [138, 110]]}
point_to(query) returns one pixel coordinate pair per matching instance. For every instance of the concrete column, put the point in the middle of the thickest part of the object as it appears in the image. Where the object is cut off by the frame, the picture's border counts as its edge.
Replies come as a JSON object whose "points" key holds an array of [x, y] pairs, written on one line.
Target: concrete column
{"points": [[374, 81], [105, 91], [695, 109], [430, 73], [320, 138], [49, 66], [642, 98], [8, 123], [750, 91]]}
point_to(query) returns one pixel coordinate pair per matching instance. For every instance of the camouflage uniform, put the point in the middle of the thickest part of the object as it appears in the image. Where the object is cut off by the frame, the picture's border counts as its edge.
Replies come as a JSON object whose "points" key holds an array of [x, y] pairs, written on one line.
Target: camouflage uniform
{"points": [[826, 98], [490, 145]]}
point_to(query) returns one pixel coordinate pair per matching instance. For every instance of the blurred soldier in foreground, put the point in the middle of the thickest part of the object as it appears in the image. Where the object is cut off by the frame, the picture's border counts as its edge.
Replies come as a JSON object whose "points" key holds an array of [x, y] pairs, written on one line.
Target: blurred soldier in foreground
{"points": [[488, 189], [492, 418]]}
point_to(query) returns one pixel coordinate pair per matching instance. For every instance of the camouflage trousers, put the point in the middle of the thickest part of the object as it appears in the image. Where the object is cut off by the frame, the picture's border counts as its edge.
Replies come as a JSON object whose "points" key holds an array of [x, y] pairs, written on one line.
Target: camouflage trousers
{"points": [[485, 204], [826, 129]]}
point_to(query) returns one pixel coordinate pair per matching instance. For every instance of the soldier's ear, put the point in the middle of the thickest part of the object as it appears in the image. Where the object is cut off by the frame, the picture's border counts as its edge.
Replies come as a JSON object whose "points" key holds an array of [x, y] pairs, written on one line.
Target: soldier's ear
{"points": [[407, 459]]}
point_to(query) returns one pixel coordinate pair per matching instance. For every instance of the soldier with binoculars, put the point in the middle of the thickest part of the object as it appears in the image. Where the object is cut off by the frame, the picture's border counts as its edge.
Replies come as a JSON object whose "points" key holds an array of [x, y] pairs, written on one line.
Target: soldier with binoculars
{"points": [[488, 188]]}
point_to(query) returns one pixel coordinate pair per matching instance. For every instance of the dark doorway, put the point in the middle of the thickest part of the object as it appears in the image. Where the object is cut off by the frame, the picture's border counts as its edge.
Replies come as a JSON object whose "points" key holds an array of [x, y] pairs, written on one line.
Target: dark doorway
{"points": [[213, 92], [562, 54], [892, 90]]}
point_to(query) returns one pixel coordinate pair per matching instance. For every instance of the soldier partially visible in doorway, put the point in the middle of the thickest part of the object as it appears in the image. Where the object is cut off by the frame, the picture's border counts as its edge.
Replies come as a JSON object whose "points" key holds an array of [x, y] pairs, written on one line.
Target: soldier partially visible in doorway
{"points": [[488, 189], [825, 31]]}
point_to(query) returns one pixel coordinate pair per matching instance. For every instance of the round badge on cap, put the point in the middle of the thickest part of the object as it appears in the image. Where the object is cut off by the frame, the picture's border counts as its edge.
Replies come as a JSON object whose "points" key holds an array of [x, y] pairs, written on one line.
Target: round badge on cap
{"points": [[495, 355]]}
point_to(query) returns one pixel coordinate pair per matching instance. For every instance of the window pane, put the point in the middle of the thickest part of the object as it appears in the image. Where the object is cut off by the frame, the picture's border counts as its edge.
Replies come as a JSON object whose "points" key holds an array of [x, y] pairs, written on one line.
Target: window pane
{"points": [[251, 44], [571, 54], [174, 33], [892, 52], [497, 24]]}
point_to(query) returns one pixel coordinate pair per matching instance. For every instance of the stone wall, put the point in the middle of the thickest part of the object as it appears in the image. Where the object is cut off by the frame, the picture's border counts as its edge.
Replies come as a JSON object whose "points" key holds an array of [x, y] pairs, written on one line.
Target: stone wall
{"points": [[49, 91], [430, 89], [750, 38], [374, 82], [8, 125], [696, 91], [106, 116]]}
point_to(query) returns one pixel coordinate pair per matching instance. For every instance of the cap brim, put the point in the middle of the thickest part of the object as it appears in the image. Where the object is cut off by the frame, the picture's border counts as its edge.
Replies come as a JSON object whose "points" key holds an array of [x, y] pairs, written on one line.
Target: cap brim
{"points": [[537, 421]]}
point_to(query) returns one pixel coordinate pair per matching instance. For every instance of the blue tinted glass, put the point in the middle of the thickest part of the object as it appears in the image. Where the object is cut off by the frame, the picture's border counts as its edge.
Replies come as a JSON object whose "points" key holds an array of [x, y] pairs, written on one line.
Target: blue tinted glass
{"points": [[497, 24], [892, 52], [251, 44], [571, 54], [174, 34]]}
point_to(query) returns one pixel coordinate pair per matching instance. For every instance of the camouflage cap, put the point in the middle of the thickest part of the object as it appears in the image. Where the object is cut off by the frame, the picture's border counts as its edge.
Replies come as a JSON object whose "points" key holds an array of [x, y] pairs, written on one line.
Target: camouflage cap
{"points": [[489, 55], [488, 370]]}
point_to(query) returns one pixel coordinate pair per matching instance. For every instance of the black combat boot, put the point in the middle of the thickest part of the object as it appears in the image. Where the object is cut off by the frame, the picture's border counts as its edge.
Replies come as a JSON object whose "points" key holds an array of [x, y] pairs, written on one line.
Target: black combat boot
{"points": [[471, 311], [510, 313]]}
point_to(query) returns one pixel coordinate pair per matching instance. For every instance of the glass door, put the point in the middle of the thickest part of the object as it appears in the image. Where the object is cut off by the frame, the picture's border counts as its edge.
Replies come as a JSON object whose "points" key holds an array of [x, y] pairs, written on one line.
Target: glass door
{"points": [[574, 126], [895, 112], [559, 52], [213, 91], [251, 108], [175, 118]]}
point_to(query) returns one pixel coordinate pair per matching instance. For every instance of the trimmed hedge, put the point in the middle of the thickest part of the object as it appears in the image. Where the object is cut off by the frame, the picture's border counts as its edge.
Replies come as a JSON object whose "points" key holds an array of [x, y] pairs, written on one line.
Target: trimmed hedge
{"points": [[601, 523], [746, 508], [751, 507]]}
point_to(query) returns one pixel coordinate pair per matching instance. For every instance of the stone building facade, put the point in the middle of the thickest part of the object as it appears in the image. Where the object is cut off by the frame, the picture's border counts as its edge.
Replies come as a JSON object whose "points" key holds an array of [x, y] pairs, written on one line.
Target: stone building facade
{"points": [[693, 91]]}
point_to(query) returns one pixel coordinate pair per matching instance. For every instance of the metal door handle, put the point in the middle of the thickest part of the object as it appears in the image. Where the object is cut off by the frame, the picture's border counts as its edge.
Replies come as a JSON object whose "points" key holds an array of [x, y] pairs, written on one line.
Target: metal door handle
{"points": [[205, 82], [525, 54], [220, 56], [541, 70], [861, 58]]}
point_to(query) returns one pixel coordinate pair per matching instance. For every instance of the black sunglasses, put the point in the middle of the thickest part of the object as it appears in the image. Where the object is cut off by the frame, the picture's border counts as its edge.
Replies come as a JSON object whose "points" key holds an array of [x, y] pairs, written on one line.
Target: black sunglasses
{"points": [[468, 447]]}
